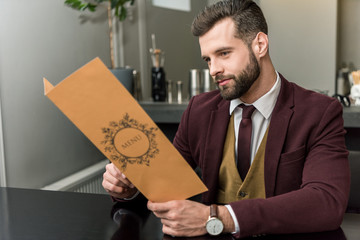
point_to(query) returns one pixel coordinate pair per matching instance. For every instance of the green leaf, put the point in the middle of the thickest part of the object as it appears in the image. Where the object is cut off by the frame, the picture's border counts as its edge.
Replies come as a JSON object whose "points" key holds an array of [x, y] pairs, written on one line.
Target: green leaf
{"points": [[117, 11], [114, 3], [80, 5], [92, 7], [118, 5], [70, 1], [123, 13]]}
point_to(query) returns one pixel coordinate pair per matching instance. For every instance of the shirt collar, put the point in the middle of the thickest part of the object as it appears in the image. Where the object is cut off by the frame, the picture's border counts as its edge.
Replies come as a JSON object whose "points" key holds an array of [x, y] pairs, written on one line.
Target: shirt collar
{"points": [[266, 103]]}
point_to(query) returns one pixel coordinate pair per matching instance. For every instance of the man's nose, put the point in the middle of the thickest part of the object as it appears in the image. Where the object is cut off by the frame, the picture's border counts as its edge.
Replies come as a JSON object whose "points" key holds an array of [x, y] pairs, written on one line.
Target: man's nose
{"points": [[215, 68]]}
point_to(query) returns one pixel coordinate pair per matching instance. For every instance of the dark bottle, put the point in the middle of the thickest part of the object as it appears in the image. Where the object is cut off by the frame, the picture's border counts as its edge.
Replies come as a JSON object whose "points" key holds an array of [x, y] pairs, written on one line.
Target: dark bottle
{"points": [[158, 84]]}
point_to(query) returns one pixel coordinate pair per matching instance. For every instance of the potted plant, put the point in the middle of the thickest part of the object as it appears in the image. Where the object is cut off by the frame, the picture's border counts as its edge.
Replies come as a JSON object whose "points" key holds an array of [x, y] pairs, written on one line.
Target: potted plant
{"points": [[120, 11]]}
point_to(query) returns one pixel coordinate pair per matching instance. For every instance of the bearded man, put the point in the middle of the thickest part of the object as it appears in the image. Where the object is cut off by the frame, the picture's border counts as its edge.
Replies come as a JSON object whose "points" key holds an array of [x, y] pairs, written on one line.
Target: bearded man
{"points": [[290, 176]]}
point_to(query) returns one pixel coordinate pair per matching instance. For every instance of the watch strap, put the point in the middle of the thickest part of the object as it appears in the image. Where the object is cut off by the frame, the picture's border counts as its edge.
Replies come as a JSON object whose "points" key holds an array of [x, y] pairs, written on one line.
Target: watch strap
{"points": [[213, 211]]}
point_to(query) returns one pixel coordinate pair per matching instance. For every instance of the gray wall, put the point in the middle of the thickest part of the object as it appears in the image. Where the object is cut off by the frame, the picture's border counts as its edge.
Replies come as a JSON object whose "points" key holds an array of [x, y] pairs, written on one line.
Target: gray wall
{"points": [[302, 37], [42, 38], [349, 33]]}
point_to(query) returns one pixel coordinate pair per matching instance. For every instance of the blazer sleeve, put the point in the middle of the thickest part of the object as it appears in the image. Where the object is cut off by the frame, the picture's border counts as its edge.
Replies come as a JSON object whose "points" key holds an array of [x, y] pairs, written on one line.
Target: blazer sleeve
{"points": [[180, 141]]}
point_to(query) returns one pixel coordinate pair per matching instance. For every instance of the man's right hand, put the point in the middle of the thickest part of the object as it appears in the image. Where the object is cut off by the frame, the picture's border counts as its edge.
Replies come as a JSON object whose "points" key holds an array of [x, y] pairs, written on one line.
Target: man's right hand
{"points": [[116, 183]]}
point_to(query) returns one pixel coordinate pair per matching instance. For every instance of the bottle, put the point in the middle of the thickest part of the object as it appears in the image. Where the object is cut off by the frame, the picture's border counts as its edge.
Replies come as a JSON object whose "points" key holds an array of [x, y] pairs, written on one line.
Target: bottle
{"points": [[342, 82], [169, 91], [179, 85], [158, 84], [194, 82]]}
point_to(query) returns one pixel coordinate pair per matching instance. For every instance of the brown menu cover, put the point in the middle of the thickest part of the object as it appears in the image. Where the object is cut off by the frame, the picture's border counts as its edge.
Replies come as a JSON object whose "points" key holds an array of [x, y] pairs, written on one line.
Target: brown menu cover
{"points": [[97, 103]]}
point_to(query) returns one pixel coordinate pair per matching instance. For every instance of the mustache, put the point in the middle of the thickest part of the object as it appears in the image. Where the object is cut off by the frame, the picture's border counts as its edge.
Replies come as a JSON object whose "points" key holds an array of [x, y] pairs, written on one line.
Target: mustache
{"points": [[222, 77]]}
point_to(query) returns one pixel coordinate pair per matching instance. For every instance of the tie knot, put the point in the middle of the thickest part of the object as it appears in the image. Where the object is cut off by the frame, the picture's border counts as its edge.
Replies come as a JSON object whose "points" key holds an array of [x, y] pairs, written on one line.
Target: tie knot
{"points": [[247, 110]]}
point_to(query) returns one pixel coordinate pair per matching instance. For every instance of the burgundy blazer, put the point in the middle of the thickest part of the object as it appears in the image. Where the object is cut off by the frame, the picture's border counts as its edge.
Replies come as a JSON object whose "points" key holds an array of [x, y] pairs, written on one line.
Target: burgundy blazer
{"points": [[307, 177]]}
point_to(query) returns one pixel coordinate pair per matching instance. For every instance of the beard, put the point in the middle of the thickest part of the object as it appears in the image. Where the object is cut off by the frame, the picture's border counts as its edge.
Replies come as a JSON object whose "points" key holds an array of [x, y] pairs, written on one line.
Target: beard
{"points": [[243, 81]]}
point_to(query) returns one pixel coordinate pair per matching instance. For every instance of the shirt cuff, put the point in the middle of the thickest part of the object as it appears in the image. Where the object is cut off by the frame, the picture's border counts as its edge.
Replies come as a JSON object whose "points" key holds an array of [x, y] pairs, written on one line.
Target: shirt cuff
{"points": [[134, 196], [232, 213], [127, 199]]}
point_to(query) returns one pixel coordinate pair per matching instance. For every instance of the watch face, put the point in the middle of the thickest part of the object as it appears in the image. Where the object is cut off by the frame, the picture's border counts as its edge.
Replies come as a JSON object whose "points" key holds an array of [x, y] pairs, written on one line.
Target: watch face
{"points": [[214, 226]]}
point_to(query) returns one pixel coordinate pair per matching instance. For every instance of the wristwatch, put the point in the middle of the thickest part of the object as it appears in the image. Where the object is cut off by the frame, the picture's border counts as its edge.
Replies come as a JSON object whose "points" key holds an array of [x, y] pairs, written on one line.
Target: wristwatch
{"points": [[214, 225]]}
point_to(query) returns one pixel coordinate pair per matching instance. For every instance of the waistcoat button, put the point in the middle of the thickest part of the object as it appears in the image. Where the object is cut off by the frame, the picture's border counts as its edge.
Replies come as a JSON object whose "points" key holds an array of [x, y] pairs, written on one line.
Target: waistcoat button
{"points": [[242, 194]]}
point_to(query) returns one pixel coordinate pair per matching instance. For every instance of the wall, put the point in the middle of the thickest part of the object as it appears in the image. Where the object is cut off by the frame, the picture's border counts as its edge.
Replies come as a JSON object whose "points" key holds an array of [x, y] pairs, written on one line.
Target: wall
{"points": [[302, 37], [42, 38], [349, 33]]}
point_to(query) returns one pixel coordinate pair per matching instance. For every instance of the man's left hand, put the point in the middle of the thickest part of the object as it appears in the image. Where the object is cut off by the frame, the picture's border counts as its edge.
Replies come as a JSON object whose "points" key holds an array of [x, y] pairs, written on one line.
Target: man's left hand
{"points": [[181, 217]]}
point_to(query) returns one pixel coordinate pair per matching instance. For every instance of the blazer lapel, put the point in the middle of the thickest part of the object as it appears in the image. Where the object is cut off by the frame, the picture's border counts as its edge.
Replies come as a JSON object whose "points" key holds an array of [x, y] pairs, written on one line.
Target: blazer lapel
{"points": [[219, 121], [277, 132]]}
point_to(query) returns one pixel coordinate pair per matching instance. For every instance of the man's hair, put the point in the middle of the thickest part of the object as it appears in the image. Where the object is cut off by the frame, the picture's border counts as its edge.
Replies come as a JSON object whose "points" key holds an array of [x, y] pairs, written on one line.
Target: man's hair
{"points": [[247, 16]]}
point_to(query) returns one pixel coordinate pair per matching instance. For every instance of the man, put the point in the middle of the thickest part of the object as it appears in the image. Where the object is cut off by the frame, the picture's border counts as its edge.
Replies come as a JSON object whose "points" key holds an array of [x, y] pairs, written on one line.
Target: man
{"points": [[299, 175]]}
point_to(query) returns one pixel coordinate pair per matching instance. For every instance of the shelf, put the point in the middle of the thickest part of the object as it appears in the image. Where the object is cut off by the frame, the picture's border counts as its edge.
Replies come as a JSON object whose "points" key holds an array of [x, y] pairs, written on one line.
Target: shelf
{"points": [[163, 112], [352, 117]]}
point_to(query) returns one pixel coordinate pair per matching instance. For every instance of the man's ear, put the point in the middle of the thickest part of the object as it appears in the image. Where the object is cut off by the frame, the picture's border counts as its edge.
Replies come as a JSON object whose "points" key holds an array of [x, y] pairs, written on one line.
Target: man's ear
{"points": [[261, 44]]}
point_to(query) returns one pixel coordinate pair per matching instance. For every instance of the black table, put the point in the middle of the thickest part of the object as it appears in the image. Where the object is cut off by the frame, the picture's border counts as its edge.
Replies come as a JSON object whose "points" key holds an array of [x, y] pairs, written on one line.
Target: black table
{"points": [[27, 214]]}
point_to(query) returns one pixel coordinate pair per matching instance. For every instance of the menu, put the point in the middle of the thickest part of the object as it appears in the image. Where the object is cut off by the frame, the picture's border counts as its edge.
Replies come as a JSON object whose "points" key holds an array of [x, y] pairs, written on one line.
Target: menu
{"points": [[104, 111]]}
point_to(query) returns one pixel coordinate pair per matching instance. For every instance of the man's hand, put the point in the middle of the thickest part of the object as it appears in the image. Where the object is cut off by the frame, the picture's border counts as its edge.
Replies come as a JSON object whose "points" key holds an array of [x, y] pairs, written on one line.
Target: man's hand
{"points": [[187, 218], [116, 183], [182, 217]]}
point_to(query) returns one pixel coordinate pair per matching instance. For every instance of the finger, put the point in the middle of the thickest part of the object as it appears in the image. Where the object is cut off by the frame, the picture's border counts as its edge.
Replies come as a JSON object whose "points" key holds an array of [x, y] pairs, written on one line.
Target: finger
{"points": [[113, 190], [121, 195], [159, 207], [116, 176], [118, 192], [168, 223], [113, 170], [169, 231], [115, 186], [111, 179], [127, 181]]}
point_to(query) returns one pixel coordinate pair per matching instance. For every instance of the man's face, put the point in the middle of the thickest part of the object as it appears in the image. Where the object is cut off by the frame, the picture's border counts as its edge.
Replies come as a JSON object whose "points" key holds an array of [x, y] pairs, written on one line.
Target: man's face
{"points": [[232, 64]]}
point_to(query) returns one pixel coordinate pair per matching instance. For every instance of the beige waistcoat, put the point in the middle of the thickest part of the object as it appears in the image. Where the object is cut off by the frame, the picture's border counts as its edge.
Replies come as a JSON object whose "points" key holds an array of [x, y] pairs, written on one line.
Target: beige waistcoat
{"points": [[231, 186]]}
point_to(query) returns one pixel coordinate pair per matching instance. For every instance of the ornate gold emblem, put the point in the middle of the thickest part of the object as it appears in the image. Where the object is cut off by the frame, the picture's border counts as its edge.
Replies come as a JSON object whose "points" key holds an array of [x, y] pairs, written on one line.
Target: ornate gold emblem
{"points": [[129, 142]]}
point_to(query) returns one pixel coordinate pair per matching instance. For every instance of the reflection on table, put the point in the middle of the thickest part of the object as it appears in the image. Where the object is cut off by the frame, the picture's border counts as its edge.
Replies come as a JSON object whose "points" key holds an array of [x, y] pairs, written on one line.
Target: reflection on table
{"points": [[39, 215], [138, 223]]}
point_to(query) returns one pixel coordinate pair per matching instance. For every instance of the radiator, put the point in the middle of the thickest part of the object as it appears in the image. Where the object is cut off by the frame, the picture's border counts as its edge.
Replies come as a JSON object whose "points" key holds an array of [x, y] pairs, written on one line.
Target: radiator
{"points": [[87, 180]]}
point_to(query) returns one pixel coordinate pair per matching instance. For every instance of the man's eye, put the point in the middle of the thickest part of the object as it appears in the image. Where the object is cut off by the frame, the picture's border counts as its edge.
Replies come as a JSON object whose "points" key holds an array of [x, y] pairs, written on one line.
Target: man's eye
{"points": [[224, 53], [207, 60]]}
